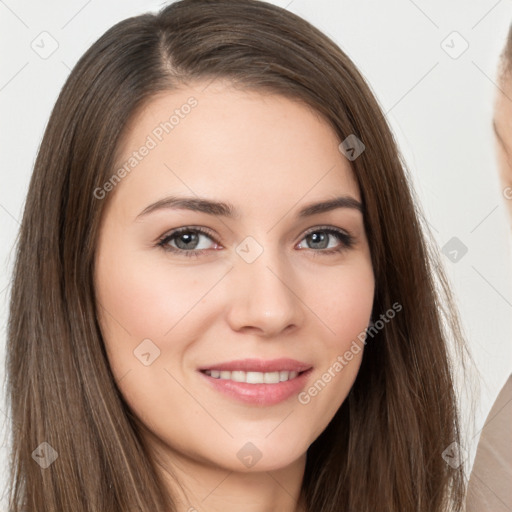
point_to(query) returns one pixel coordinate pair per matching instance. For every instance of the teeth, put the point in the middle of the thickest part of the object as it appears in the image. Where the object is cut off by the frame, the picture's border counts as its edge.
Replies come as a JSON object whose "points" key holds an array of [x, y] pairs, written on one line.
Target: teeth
{"points": [[253, 377]]}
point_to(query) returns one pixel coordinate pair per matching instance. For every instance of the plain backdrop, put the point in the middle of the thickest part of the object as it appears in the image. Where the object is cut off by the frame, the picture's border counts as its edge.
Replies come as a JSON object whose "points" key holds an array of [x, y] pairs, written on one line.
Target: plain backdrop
{"points": [[432, 66]]}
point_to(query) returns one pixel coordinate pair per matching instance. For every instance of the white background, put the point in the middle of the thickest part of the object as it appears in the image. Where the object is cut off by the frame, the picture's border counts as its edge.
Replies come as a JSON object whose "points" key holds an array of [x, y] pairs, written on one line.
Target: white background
{"points": [[439, 108]]}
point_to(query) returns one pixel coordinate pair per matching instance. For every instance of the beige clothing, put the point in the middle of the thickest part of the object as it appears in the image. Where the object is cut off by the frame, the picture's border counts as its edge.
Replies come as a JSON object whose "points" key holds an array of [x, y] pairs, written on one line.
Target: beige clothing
{"points": [[490, 484]]}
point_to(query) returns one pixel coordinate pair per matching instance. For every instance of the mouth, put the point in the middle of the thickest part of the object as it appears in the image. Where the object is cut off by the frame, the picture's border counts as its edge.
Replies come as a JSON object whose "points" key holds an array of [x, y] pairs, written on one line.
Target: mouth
{"points": [[257, 381]]}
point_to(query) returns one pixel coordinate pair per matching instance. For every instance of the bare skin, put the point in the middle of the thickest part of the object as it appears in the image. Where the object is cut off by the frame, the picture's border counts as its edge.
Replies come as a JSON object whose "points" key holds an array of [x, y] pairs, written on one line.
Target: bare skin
{"points": [[269, 157], [503, 136]]}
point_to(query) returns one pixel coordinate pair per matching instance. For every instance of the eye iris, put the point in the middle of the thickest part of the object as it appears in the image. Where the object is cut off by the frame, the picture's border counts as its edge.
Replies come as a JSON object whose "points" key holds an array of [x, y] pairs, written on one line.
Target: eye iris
{"points": [[319, 238], [189, 237]]}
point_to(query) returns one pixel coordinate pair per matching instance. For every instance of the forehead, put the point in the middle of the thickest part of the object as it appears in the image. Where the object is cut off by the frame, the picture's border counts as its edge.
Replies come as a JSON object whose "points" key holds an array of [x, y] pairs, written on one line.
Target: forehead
{"points": [[247, 144]]}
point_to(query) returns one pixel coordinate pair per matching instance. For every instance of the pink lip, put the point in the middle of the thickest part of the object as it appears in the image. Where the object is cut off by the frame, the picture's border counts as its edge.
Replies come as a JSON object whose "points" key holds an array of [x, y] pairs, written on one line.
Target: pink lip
{"points": [[260, 394], [260, 365]]}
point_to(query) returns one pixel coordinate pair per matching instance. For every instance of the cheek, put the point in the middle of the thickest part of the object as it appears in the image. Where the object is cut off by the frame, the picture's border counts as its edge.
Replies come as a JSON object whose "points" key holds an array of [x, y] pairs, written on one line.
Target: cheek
{"points": [[505, 173], [504, 165], [149, 315], [139, 301], [148, 299], [343, 300], [344, 306]]}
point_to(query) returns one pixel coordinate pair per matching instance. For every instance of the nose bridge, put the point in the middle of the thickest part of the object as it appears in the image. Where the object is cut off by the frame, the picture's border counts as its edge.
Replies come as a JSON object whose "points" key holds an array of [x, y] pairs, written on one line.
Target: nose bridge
{"points": [[264, 282]]}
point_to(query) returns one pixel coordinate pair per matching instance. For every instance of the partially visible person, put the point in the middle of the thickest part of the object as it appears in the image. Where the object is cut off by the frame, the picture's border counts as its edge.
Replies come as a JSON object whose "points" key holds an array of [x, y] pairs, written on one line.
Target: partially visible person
{"points": [[489, 487], [502, 122]]}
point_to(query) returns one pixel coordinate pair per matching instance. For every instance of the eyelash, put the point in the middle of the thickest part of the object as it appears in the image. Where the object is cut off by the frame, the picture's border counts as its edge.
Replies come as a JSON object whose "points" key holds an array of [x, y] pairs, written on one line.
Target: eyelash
{"points": [[347, 241]]}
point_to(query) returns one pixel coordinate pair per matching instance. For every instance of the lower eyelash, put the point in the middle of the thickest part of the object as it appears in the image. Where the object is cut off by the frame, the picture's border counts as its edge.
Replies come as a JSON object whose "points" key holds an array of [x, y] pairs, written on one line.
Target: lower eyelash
{"points": [[347, 241]]}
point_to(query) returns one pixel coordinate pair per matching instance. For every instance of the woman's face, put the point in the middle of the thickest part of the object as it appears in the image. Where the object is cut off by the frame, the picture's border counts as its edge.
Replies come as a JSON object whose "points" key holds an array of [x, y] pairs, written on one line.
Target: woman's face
{"points": [[503, 132], [261, 293]]}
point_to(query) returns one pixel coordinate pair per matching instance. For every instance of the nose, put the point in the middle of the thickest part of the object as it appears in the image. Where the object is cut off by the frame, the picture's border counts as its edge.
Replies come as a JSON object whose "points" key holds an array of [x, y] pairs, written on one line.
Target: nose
{"points": [[264, 296]]}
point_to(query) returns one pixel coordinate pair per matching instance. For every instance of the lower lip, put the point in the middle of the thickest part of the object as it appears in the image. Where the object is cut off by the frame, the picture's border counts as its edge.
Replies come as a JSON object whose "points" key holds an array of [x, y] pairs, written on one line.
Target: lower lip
{"points": [[259, 394]]}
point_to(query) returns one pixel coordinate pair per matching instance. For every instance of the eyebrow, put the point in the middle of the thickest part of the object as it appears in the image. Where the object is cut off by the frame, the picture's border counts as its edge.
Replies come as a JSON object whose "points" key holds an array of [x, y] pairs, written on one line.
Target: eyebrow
{"points": [[223, 209]]}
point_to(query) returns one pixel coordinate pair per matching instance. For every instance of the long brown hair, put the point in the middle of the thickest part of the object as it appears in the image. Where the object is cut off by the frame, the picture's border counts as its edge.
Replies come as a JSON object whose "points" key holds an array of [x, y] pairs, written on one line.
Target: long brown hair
{"points": [[383, 449]]}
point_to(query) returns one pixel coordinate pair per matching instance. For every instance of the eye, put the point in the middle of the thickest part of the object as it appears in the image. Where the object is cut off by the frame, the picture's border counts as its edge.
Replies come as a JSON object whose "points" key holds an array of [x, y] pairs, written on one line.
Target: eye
{"points": [[186, 240], [319, 239]]}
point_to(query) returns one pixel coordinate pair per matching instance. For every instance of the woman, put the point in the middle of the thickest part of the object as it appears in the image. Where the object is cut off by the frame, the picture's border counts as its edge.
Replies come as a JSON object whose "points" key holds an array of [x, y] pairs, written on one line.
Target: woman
{"points": [[259, 369], [489, 484]]}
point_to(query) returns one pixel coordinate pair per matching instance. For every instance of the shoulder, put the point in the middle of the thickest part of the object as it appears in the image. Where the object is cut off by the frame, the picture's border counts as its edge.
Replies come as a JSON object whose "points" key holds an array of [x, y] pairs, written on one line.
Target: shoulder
{"points": [[489, 485]]}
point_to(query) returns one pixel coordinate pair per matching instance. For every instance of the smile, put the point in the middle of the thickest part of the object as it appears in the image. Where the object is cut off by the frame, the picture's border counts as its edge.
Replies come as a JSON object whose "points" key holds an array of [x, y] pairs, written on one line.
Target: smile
{"points": [[253, 377], [257, 388]]}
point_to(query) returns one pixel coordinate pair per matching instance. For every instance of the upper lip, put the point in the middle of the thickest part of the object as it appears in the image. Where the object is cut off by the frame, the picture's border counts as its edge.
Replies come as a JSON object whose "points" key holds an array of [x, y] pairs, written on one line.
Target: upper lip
{"points": [[260, 365]]}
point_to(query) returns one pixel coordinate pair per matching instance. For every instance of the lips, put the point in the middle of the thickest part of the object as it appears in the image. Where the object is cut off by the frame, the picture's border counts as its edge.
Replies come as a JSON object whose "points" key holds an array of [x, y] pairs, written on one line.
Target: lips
{"points": [[257, 381], [256, 387], [260, 365]]}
